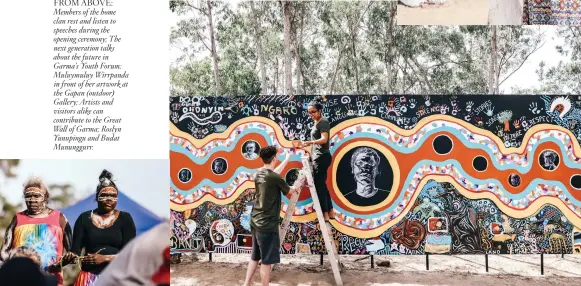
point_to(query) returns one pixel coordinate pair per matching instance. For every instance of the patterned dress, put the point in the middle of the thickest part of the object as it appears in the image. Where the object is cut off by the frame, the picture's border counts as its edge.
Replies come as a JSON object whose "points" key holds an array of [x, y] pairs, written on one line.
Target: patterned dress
{"points": [[552, 12], [86, 279], [44, 235]]}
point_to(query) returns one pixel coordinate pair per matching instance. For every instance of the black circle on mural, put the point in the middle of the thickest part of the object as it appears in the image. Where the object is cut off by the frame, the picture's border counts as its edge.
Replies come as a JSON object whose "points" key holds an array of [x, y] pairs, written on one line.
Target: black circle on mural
{"points": [[219, 166], [442, 144], [250, 150], [576, 182], [549, 160], [185, 175], [480, 163], [514, 180], [364, 176], [291, 176]]}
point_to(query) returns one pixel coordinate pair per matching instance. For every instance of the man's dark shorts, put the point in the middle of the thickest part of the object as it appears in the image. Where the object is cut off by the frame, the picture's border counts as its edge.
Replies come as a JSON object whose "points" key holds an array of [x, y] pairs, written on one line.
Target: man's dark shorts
{"points": [[266, 247]]}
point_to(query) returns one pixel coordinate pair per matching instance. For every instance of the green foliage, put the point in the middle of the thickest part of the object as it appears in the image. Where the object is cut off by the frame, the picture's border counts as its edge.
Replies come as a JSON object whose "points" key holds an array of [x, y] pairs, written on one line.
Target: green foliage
{"points": [[194, 78], [354, 47]]}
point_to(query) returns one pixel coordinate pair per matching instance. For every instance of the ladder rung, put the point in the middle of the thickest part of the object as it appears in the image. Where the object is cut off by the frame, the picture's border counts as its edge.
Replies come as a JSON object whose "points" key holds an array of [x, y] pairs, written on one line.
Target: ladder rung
{"points": [[326, 229]]}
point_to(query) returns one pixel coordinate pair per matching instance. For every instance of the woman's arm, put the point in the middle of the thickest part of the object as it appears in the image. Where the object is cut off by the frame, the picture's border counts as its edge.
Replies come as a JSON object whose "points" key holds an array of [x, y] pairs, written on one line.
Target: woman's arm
{"points": [[323, 140], [325, 128], [7, 245], [77, 245], [128, 230], [67, 234]]}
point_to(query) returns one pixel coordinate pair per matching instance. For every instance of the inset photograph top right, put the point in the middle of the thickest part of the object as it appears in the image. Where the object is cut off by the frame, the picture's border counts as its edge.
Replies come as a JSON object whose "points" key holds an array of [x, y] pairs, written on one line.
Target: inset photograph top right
{"points": [[552, 12], [491, 12], [535, 12]]}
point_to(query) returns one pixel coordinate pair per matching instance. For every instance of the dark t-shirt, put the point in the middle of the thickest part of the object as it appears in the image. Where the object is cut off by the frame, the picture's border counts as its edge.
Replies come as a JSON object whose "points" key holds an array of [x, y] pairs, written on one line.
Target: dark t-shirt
{"points": [[112, 239], [266, 211], [319, 128]]}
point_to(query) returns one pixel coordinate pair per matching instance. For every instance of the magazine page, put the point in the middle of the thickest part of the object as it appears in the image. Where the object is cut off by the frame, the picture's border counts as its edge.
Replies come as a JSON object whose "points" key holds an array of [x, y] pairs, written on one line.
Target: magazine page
{"points": [[83, 155], [368, 142]]}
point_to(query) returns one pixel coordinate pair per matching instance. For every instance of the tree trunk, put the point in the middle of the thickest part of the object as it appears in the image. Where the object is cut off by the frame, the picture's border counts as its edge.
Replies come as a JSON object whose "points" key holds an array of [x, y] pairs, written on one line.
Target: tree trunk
{"points": [[493, 61], [353, 32], [258, 39], [389, 55], [503, 12], [298, 42], [213, 50], [276, 77], [423, 75], [287, 47], [335, 72]]}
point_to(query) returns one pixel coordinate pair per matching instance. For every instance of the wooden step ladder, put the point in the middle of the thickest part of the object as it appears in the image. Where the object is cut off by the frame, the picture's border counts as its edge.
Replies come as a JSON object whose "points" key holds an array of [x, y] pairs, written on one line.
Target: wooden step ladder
{"points": [[307, 173]]}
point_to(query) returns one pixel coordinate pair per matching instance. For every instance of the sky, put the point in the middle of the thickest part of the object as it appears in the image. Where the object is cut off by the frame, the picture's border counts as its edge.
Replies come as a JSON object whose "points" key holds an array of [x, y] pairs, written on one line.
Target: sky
{"points": [[144, 181], [525, 77]]}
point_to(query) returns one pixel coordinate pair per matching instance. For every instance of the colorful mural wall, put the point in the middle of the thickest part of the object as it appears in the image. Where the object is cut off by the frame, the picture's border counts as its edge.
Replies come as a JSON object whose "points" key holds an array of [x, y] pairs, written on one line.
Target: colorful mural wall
{"points": [[456, 174]]}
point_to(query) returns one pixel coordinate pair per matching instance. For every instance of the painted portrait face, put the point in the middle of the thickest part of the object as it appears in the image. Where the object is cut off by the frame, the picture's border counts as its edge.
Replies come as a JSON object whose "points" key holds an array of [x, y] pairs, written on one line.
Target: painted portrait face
{"points": [[549, 160], [514, 180], [365, 166], [250, 147], [220, 165]]}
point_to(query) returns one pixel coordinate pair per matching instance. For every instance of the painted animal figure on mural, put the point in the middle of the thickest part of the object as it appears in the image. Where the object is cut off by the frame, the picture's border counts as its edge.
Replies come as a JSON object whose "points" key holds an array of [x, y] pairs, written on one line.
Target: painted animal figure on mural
{"points": [[465, 234], [408, 174]]}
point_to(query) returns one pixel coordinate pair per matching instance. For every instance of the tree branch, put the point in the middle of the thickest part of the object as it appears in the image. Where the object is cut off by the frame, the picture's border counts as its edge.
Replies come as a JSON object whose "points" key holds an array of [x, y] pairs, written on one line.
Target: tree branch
{"points": [[522, 63], [187, 3]]}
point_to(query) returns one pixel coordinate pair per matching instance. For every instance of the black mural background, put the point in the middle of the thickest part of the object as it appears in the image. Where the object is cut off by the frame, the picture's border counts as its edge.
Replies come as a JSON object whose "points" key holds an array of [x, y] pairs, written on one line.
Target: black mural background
{"points": [[470, 224]]}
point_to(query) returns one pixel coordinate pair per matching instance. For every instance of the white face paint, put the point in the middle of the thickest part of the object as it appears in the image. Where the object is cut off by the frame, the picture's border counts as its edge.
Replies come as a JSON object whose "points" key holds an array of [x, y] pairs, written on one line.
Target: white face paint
{"points": [[36, 200], [107, 194]]}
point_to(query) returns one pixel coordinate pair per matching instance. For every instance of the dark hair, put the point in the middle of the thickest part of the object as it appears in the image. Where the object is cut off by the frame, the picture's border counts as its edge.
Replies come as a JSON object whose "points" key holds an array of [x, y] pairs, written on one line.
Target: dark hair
{"points": [[21, 271], [268, 153], [105, 180], [316, 104]]}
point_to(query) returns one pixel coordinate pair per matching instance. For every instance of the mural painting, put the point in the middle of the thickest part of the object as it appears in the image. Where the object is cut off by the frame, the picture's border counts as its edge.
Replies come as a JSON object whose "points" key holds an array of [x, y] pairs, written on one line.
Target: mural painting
{"points": [[409, 175]]}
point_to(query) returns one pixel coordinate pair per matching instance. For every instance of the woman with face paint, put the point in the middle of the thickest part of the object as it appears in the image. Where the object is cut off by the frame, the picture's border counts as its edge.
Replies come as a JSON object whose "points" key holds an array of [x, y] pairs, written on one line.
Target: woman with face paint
{"points": [[41, 229], [102, 232], [320, 157]]}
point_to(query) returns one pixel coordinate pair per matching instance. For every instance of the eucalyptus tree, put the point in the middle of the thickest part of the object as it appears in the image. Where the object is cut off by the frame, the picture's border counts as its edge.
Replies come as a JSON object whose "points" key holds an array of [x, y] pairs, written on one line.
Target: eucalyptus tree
{"points": [[199, 28]]}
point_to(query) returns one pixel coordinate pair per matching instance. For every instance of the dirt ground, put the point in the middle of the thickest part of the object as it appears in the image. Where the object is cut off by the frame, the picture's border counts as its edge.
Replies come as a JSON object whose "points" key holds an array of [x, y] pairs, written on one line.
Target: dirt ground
{"points": [[514, 270], [454, 12]]}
